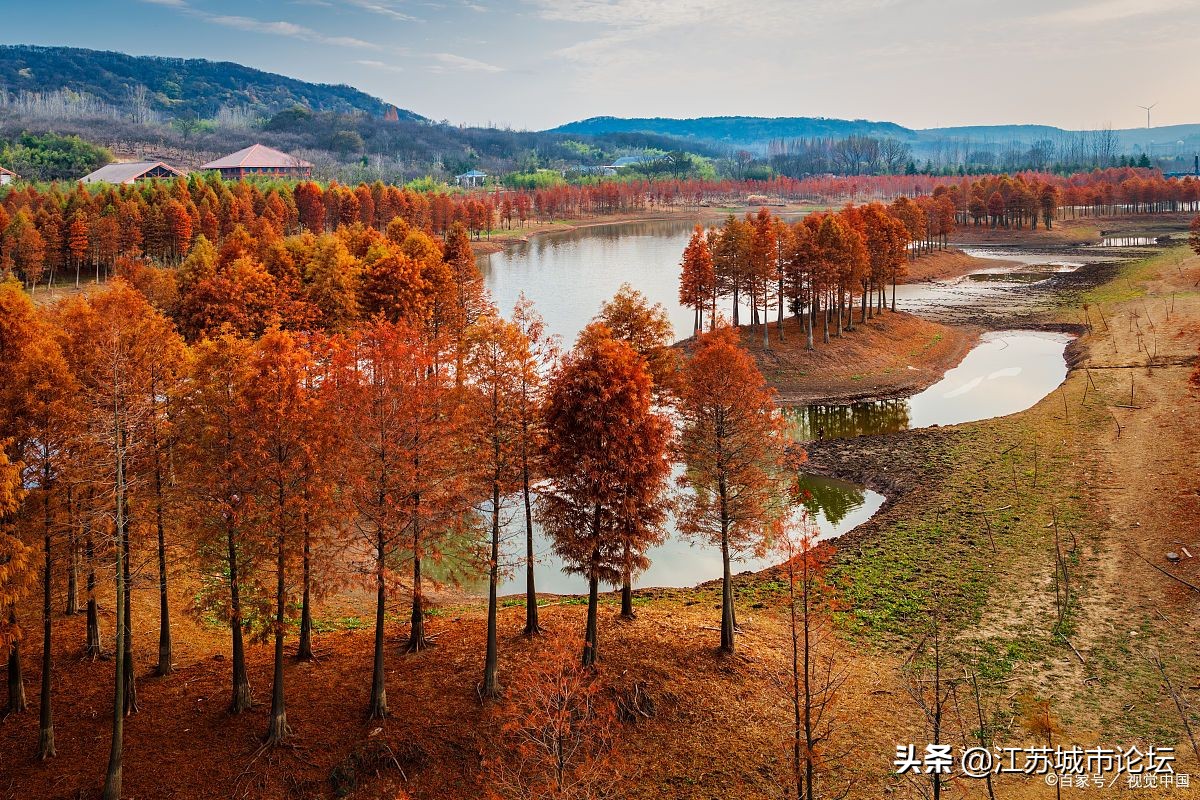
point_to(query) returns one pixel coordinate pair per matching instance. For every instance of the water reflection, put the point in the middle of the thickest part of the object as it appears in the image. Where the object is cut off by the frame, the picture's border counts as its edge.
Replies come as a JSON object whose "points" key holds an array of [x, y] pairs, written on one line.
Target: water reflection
{"points": [[1005, 373], [1128, 241], [844, 421], [834, 506], [568, 275]]}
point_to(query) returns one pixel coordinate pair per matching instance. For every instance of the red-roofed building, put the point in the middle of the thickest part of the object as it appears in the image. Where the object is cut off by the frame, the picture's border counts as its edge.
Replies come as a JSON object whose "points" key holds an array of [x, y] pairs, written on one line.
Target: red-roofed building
{"points": [[259, 161], [7, 176], [132, 172]]}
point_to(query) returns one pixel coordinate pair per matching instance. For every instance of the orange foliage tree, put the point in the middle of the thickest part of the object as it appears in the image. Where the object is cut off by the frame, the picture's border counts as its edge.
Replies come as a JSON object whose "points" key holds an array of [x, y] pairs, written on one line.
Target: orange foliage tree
{"points": [[697, 281], [498, 366], [606, 461], [559, 729], [732, 448], [538, 359]]}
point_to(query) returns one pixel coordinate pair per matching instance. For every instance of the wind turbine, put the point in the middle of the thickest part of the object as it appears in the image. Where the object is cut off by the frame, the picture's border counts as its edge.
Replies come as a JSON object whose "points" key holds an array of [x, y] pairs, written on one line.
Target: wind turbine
{"points": [[1147, 110]]}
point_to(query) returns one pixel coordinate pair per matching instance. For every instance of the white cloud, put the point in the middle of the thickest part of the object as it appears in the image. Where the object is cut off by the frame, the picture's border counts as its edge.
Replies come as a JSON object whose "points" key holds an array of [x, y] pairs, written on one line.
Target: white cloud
{"points": [[384, 8], [450, 61], [1115, 10], [380, 65]]}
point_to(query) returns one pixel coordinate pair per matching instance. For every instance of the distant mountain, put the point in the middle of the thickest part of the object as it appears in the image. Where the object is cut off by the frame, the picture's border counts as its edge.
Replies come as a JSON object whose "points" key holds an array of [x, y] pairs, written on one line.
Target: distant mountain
{"points": [[738, 130], [755, 132], [174, 87]]}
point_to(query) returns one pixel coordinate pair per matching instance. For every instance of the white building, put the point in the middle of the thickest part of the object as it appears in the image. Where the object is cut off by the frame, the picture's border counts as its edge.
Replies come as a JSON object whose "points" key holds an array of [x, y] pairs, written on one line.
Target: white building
{"points": [[7, 176]]}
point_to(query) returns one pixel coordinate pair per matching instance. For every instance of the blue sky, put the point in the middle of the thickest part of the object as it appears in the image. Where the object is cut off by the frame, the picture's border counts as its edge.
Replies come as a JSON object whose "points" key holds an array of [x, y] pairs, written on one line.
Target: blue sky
{"points": [[538, 63]]}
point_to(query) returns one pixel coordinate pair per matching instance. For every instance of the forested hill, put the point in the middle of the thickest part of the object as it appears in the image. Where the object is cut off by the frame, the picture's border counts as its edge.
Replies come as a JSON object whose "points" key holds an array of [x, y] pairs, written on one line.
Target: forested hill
{"points": [[174, 87], [739, 130], [756, 132]]}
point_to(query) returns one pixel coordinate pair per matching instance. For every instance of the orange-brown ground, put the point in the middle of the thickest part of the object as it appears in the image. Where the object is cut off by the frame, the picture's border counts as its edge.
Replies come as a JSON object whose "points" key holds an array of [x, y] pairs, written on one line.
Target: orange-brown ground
{"points": [[942, 265], [720, 723]]}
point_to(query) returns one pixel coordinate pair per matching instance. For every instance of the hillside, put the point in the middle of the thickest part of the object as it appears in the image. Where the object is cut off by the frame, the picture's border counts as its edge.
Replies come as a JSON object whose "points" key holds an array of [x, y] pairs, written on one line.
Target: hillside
{"points": [[738, 130], [756, 132], [174, 87]]}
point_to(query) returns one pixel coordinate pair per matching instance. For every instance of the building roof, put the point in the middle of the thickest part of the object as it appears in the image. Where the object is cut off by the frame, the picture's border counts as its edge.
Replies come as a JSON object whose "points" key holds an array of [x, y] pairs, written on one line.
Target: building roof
{"points": [[4, 171], [472, 174], [258, 156], [127, 173], [625, 161]]}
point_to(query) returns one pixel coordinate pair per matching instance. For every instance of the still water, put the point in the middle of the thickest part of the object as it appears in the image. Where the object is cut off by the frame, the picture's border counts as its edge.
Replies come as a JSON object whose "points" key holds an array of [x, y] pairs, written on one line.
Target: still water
{"points": [[1007, 372], [834, 506], [568, 275]]}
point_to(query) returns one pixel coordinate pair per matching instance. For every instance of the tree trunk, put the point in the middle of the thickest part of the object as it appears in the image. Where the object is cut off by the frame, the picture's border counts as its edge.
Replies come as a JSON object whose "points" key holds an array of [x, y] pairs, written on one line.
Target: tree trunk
{"points": [[735, 306], [92, 648], [16, 684], [304, 652], [766, 322], [416, 632], [130, 682], [727, 623], [241, 699], [277, 728], [45, 748], [491, 685], [779, 296], [377, 708], [808, 324], [72, 559], [590, 635], [531, 607], [797, 771], [165, 656], [112, 778]]}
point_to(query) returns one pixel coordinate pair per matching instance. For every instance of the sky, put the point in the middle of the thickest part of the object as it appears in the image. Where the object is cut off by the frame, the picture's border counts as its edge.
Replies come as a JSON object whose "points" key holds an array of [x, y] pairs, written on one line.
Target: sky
{"points": [[534, 64]]}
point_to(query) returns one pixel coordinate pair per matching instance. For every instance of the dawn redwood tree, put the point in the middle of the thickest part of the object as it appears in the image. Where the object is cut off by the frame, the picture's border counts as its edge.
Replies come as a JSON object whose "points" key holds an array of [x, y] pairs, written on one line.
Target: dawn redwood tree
{"points": [[286, 415], [730, 246], [163, 386], [762, 265], [437, 505], [1194, 236], [538, 360], [814, 677], [16, 573], [218, 478], [605, 445], [497, 359], [47, 425], [470, 297], [732, 448], [19, 327], [114, 338], [379, 380], [697, 281], [647, 328]]}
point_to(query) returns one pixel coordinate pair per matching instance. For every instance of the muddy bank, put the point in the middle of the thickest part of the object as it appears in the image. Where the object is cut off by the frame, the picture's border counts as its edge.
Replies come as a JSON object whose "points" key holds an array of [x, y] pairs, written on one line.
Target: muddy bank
{"points": [[892, 355], [943, 265]]}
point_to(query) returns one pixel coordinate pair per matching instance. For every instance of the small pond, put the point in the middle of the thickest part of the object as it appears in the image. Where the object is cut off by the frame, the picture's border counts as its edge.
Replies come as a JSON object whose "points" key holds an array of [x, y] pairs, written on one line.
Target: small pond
{"points": [[1007, 372], [834, 506]]}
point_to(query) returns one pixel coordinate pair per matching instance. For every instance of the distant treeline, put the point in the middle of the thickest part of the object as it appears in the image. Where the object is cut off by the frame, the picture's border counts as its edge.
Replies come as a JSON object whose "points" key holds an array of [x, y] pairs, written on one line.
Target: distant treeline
{"points": [[46, 232]]}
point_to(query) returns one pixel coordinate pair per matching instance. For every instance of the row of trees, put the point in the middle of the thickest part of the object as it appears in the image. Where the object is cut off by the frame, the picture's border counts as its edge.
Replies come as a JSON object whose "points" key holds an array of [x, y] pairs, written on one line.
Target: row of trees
{"points": [[813, 269], [45, 234], [281, 418]]}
